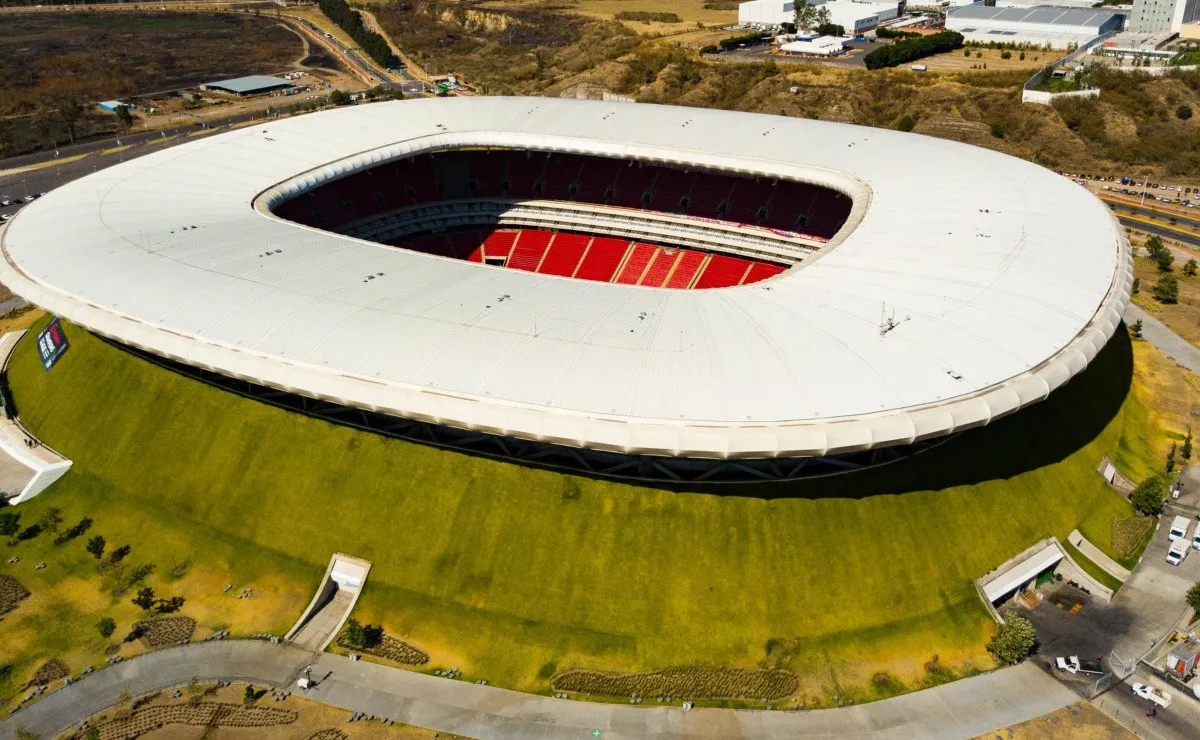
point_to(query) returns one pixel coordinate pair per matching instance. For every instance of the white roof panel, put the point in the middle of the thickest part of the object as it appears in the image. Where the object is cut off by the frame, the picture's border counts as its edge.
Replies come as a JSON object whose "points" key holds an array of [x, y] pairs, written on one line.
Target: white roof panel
{"points": [[993, 267]]}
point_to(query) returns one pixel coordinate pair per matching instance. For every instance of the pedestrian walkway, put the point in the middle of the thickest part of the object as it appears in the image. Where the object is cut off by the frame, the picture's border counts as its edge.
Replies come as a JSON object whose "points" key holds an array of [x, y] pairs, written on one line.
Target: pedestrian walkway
{"points": [[1098, 556], [1155, 332], [960, 709]]}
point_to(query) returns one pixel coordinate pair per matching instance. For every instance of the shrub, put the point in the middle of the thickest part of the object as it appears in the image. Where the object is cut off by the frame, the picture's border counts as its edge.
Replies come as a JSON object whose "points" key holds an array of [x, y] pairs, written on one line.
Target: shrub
{"points": [[913, 48], [1135, 329], [1006, 54], [1193, 597], [998, 130], [1014, 641], [1189, 268], [831, 29], [1183, 112], [1150, 496], [1166, 290], [95, 546], [734, 41], [1164, 259], [906, 123], [647, 16]]}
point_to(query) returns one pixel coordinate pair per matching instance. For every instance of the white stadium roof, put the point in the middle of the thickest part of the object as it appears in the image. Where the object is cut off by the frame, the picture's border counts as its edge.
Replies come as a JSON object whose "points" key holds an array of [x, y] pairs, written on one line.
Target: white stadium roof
{"points": [[1005, 278]]}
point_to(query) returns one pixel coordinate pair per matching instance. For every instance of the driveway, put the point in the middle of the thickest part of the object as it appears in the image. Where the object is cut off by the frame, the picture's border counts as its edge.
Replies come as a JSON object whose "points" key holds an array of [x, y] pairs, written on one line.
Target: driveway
{"points": [[960, 709]]}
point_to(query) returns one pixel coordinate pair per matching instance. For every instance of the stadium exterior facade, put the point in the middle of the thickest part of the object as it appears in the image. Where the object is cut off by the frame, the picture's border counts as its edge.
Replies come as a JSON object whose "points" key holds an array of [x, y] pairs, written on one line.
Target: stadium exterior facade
{"points": [[963, 286]]}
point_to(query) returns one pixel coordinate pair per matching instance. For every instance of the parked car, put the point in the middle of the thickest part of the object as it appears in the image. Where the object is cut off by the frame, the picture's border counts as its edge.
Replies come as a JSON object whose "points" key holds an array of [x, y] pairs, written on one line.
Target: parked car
{"points": [[1177, 553], [1149, 693]]}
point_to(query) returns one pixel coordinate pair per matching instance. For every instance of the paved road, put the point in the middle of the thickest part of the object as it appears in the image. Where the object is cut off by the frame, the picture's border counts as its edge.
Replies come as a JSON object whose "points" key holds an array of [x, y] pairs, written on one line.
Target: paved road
{"points": [[1155, 332], [1180, 721], [960, 709]]}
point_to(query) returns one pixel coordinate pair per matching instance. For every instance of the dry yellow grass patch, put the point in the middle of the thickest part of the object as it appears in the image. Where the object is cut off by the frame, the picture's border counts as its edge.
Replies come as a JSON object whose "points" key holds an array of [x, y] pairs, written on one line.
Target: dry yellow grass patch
{"points": [[954, 61]]}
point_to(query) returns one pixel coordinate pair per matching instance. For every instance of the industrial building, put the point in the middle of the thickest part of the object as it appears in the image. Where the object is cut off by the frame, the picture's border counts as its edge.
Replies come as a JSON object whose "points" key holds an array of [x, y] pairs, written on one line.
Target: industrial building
{"points": [[1149, 16], [819, 46], [252, 85], [1059, 28], [766, 13], [856, 16]]}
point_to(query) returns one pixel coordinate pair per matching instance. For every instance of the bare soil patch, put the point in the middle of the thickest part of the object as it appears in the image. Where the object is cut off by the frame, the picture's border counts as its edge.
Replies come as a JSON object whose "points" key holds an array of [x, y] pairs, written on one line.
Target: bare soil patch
{"points": [[11, 593], [51, 670], [165, 631], [392, 648], [684, 682]]}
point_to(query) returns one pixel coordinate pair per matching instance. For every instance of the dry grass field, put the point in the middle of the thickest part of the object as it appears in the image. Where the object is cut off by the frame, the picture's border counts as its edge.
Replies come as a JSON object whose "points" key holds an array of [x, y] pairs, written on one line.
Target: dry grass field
{"points": [[1183, 317], [957, 61]]}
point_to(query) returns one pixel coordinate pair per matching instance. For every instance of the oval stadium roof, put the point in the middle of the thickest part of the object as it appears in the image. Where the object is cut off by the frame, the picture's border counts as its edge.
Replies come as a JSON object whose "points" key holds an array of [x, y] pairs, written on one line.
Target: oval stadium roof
{"points": [[1001, 280]]}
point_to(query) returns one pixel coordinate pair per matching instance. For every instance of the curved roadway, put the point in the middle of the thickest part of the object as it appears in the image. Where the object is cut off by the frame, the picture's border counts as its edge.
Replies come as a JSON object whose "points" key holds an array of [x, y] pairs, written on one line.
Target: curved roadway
{"points": [[961, 709]]}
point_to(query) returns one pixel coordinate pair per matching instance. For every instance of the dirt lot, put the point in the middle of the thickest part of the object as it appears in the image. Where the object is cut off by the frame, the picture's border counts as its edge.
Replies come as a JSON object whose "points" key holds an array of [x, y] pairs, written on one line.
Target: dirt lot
{"points": [[957, 61], [111, 55], [1080, 721]]}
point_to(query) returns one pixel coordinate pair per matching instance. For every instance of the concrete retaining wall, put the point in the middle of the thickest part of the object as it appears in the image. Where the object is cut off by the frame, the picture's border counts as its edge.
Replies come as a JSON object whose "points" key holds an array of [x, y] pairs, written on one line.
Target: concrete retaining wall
{"points": [[1040, 97]]}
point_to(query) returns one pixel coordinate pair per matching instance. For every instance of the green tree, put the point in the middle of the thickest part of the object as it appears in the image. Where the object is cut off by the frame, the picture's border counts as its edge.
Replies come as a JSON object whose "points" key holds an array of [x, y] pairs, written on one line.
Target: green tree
{"points": [[1166, 290], [338, 97], [1135, 329], [1164, 259], [1150, 496], [1171, 458], [51, 520], [119, 554], [354, 632], [144, 599], [1014, 641], [1154, 245], [372, 635], [1193, 597], [906, 123], [1136, 287], [10, 524], [106, 627], [1186, 451], [1183, 112], [809, 17], [124, 118], [70, 108], [95, 546], [1189, 268], [998, 130]]}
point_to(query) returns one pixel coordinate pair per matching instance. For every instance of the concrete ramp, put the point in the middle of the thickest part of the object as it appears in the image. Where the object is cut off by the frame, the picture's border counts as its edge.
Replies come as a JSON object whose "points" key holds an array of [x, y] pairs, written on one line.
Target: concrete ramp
{"points": [[331, 605], [27, 467]]}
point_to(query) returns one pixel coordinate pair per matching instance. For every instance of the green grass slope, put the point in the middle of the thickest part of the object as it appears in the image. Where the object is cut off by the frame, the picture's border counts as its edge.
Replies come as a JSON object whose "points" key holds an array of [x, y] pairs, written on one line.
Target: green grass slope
{"points": [[506, 571]]}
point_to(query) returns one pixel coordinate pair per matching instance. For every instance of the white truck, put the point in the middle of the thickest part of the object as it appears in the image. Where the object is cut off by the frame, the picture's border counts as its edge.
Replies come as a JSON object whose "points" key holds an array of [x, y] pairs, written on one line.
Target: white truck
{"points": [[1178, 551], [1149, 693], [1179, 528]]}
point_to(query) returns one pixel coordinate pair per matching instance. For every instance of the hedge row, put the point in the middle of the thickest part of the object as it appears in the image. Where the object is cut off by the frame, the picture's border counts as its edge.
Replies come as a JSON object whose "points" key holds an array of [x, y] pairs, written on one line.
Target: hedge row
{"points": [[733, 41], [910, 49], [351, 22]]}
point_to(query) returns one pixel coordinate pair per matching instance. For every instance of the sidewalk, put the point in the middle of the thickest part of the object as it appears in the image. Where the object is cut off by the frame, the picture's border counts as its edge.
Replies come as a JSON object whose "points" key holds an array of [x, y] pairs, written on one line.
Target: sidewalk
{"points": [[1097, 556]]}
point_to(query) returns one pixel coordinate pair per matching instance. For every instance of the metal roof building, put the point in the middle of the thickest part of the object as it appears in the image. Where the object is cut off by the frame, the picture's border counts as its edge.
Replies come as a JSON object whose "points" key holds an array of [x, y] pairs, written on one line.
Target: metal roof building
{"points": [[1004, 280], [1058, 26], [251, 85]]}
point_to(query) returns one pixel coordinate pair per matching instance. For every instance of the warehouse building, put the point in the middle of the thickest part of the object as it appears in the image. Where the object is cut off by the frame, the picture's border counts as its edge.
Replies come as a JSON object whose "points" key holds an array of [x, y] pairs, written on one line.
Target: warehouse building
{"points": [[252, 85], [1060, 28], [856, 16], [766, 13]]}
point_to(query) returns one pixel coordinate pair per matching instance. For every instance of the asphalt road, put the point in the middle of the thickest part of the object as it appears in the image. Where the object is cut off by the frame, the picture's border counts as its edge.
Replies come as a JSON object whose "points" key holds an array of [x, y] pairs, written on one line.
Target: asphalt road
{"points": [[960, 709]]}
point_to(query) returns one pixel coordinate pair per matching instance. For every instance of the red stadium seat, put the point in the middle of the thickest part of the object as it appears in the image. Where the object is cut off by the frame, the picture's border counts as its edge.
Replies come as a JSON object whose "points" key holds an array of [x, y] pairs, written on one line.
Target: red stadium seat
{"points": [[635, 264], [602, 259], [564, 254], [685, 270], [660, 267], [723, 271]]}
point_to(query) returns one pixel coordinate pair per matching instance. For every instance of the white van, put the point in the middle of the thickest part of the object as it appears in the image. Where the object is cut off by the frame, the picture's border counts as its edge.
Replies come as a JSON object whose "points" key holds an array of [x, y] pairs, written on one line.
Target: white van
{"points": [[1196, 539], [1179, 550], [1179, 528]]}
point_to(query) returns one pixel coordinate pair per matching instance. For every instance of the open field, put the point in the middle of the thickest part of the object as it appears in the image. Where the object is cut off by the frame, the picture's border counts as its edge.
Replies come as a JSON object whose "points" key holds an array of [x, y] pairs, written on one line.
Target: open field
{"points": [[515, 575], [1183, 317], [957, 61], [110, 55], [291, 719]]}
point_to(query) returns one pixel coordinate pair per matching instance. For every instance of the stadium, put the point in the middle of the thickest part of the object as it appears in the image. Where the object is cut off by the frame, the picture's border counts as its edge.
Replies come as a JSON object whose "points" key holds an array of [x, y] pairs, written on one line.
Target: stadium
{"points": [[630, 290]]}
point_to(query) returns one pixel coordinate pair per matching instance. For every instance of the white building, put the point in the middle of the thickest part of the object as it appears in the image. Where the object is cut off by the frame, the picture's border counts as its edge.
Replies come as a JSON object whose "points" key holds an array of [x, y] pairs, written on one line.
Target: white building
{"points": [[856, 16], [821, 46], [860, 16], [1163, 15], [766, 13], [1061, 28]]}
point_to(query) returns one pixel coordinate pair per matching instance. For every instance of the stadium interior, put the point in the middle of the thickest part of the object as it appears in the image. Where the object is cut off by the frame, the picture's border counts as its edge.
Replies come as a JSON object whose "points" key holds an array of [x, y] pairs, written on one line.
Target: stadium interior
{"points": [[498, 207]]}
